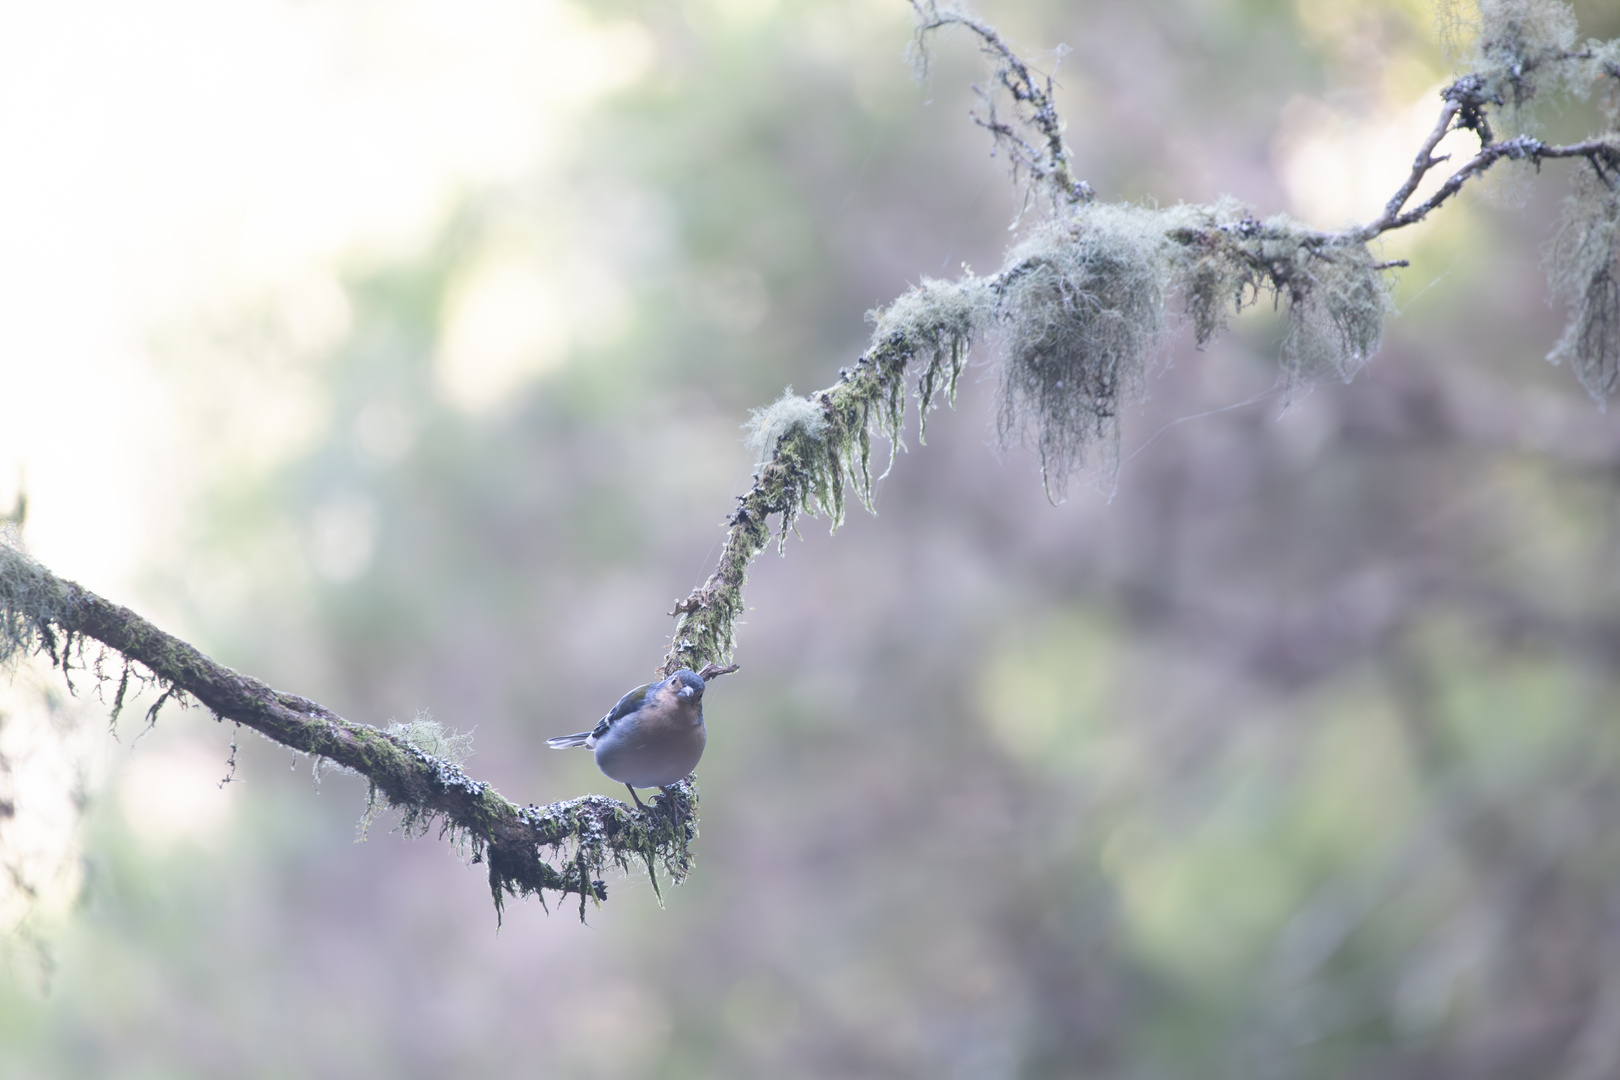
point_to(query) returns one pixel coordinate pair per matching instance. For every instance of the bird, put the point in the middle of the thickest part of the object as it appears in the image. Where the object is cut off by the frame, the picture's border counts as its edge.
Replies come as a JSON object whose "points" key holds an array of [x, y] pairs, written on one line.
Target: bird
{"points": [[653, 737]]}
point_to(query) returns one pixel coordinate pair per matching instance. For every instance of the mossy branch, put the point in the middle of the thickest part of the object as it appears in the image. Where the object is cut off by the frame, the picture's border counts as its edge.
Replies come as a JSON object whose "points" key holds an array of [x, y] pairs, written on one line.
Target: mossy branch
{"points": [[818, 444], [1076, 310], [564, 847], [1079, 306]]}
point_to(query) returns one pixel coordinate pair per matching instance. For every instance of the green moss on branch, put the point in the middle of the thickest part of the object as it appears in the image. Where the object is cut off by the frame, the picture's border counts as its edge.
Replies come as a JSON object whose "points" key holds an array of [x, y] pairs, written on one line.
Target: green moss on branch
{"points": [[563, 847]]}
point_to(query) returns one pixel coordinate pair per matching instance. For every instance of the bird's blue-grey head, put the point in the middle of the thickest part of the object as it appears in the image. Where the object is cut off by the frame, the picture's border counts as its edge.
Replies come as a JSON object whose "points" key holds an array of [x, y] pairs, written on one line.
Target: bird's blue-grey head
{"points": [[688, 686]]}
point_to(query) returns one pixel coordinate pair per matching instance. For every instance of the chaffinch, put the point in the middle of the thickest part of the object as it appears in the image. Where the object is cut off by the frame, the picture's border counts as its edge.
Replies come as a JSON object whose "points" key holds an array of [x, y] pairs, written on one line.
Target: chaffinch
{"points": [[653, 737]]}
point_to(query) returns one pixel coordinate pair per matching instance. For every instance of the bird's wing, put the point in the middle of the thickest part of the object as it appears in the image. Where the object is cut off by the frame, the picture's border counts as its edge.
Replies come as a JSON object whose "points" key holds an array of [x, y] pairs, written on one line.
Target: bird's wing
{"points": [[627, 705]]}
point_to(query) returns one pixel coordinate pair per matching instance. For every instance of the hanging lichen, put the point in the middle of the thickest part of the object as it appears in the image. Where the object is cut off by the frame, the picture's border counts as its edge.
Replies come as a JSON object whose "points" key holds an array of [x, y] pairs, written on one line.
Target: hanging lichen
{"points": [[1082, 307], [936, 320], [1215, 275], [1338, 299], [1517, 49], [1583, 269], [1337, 294]]}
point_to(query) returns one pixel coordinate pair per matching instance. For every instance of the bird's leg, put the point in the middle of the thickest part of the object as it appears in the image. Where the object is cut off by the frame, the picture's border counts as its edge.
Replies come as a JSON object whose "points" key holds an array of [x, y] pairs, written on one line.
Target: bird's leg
{"points": [[636, 797]]}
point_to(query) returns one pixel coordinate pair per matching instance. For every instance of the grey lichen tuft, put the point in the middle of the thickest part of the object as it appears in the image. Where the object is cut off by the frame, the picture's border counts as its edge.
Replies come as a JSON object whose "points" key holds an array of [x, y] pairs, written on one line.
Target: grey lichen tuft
{"points": [[1216, 277], [1521, 44], [804, 455], [1583, 269], [1604, 71], [1338, 299], [790, 416], [434, 739], [1082, 308], [1520, 49], [1338, 295]]}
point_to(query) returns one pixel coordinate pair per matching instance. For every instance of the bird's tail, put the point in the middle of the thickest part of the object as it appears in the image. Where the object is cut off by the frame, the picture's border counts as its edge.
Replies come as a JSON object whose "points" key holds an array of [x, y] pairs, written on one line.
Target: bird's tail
{"points": [[563, 742]]}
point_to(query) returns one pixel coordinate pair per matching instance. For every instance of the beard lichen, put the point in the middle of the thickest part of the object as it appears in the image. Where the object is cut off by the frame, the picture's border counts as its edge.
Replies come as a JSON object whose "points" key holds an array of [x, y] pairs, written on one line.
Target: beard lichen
{"points": [[1519, 52], [1583, 270], [1081, 308], [1338, 299], [1216, 276], [1338, 295], [433, 738], [1077, 311], [810, 447], [937, 320]]}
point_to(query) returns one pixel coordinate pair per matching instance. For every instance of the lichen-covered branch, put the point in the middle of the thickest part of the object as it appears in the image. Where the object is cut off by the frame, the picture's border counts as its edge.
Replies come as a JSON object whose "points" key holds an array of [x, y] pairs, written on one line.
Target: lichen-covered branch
{"points": [[1465, 109], [564, 847], [1079, 305], [1075, 312], [815, 445]]}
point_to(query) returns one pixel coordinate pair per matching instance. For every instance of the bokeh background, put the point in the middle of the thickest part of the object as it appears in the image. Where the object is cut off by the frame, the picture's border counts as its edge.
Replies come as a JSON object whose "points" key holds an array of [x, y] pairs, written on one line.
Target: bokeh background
{"points": [[396, 353]]}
